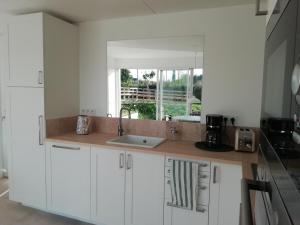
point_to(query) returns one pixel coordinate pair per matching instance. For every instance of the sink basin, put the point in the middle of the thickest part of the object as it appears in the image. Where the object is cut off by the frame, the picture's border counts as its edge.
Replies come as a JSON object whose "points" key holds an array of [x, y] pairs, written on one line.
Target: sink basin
{"points": [[137, 141]]}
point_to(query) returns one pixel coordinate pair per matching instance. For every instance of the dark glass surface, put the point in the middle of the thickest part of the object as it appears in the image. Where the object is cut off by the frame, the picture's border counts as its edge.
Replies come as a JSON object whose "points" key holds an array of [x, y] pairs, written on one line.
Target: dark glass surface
{"points": [[284, 168], [279, 64]]}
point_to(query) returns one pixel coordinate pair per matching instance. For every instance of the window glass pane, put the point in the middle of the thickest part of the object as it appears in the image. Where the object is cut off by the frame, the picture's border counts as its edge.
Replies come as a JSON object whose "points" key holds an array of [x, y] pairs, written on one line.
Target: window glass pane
{"points": [[197, 84], [139, 94], [174, 93]]}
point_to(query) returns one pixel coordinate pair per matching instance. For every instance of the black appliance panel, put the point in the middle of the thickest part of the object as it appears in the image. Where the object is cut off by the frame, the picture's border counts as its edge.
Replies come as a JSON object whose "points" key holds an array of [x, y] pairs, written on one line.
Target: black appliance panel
{"points": [[284, 199], [279, 65]]}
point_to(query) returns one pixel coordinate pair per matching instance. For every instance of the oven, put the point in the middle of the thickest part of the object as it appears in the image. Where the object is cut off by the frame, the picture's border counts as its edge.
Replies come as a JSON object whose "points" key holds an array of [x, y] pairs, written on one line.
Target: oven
{"points": [[271, 182]]}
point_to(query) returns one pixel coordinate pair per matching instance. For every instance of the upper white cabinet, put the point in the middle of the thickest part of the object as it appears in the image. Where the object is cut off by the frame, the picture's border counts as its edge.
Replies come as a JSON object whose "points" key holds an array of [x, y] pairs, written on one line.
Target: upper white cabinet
{"points": [[27, 150], [144, 195], [225, 194], [127, 187], [69, 180], [26, 45], [43, 52]]}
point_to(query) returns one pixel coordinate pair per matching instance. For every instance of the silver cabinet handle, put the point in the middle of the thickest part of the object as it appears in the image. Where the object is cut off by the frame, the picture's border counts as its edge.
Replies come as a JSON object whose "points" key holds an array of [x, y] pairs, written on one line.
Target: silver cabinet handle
{"points": [[66, 147], [215, 170], [40, 77], [121, 161], [41, 138], [129, 162], [258, 11]]}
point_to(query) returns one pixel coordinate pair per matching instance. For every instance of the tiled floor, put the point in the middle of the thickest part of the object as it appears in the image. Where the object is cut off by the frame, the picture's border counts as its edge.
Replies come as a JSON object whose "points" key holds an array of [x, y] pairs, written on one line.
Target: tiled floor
{"points": [[12, 213]]}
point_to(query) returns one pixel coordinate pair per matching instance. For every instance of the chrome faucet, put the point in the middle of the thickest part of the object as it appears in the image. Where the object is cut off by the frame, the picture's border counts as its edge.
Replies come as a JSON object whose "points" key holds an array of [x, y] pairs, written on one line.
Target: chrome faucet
{"points": [[120, 126]]}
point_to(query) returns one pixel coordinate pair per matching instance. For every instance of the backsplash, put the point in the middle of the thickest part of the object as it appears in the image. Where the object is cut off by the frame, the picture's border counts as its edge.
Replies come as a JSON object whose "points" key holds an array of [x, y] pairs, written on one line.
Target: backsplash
{"points": [[55, 127], [183, 130]]}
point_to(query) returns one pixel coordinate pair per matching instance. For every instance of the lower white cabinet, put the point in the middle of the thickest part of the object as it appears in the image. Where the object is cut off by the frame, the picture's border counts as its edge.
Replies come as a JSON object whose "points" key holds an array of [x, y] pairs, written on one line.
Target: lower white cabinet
{"points": [[127, 187], [69, 180], [108, 183], [198, 196], [225, 194], [26, 146], [144, 192], [118, 187]]}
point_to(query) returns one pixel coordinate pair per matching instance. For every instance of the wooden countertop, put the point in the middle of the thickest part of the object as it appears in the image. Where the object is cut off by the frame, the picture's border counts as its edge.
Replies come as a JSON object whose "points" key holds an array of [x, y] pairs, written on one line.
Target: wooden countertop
{"points": [[184, 149]]}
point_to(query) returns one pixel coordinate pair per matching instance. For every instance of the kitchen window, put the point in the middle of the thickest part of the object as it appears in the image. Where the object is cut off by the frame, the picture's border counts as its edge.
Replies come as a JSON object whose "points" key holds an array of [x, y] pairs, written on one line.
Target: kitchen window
{"points": [[161, 94]]}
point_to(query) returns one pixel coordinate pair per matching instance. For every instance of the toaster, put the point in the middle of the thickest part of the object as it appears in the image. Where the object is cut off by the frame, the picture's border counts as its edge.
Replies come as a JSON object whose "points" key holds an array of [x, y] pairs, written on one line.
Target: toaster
{"points": [[245, 139]]}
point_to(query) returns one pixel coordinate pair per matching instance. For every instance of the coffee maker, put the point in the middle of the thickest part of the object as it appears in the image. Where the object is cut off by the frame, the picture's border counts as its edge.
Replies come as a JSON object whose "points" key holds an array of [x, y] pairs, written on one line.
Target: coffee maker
{"points": [[214, 128]]}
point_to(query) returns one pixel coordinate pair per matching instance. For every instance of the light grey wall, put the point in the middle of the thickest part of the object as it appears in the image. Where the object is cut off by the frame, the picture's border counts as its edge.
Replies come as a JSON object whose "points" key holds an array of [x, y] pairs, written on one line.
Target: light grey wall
{"points": [[233, 56]]}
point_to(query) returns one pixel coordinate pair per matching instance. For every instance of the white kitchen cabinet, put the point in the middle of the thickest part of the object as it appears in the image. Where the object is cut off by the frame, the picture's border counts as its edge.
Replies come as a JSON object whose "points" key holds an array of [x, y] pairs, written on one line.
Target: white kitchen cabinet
{"points": [[26, 51], [69, 180], [27, 150], [42, 83], [144, 192], [43, 52], [198, 214], [225, 194], [127, 187], [108, 186]]}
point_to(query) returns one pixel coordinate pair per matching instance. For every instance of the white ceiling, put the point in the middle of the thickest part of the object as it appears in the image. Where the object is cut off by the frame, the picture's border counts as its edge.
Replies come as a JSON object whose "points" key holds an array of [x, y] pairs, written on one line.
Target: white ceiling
{"points": [[85, 10], [172, 47]]}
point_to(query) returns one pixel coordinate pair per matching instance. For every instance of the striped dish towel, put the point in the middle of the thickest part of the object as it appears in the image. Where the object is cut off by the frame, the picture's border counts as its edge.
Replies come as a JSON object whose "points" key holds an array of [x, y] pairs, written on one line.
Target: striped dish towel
{"points": [[181, 184]]}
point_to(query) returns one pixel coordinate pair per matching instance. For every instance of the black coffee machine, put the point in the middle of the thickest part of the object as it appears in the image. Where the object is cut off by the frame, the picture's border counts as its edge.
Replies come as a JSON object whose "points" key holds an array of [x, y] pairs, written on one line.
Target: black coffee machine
{"points": [[214, 130]]}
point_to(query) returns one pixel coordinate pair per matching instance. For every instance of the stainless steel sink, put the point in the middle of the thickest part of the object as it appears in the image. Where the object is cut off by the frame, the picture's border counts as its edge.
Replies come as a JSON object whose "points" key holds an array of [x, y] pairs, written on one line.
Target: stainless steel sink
{"points": [[137, 141]]}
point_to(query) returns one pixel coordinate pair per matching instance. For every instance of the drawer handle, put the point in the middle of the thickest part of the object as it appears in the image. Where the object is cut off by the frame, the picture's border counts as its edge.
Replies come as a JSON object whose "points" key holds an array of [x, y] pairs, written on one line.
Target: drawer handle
{"points": [[66, 147], [121, 161], [129, 162], [41, 128], [203, 164], [203, 176]]}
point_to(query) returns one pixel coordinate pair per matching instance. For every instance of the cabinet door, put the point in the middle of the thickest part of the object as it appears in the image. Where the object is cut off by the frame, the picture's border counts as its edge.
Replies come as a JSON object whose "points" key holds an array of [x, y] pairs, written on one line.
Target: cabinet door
{"points": [[68, 176], [144, 198], [108, 185], [26, 51], [27, 152], [225, 194]]}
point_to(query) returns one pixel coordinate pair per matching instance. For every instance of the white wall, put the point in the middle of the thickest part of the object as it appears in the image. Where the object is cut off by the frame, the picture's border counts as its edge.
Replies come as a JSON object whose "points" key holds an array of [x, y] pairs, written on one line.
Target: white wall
{"points": [[233, 56]]}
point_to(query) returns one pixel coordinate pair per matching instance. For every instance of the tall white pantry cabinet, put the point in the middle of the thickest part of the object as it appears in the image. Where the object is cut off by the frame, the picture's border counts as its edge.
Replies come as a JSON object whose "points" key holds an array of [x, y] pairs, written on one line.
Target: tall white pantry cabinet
{"points": [[42, 83]]}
